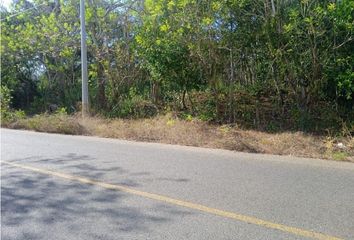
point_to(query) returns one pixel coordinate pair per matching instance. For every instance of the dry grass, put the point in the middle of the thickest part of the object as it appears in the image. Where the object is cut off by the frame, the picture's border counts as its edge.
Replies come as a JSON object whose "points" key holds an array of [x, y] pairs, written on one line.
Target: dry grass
{"points": [[58, 123], [168, 129]]}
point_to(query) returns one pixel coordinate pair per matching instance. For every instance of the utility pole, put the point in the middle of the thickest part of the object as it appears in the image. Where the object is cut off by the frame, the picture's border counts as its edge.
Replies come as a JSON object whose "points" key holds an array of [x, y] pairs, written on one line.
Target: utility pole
{"points": [[85, 99]]}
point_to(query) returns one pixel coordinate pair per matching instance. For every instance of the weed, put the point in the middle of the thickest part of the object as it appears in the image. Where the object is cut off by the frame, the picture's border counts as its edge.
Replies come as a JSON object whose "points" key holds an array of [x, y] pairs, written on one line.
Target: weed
{"points": [[173, 130], [340, 156]]}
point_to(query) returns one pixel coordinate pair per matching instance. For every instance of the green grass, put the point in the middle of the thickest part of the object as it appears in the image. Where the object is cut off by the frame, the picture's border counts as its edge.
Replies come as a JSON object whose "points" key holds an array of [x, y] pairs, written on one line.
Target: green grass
{"points": [[340, 156]]}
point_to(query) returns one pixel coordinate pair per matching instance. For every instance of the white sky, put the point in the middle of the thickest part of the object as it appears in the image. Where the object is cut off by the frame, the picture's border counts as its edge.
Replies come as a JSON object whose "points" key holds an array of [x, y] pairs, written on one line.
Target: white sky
{"points": [[5, 3]]}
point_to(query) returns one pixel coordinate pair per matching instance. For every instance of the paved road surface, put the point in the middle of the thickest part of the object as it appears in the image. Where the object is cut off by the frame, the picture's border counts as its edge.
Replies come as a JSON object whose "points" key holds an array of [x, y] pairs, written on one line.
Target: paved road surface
{"points": [[74, 187]]}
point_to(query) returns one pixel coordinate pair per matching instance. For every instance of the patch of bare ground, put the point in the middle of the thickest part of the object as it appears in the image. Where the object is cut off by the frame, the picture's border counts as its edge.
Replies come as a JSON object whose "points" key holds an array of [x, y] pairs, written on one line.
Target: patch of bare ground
{"points": [[171, 130]]}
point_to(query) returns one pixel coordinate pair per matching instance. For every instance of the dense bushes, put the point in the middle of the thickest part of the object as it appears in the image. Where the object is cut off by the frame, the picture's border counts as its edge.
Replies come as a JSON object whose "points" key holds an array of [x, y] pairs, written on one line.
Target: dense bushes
{"points": [[8, 115], [270, 65]]}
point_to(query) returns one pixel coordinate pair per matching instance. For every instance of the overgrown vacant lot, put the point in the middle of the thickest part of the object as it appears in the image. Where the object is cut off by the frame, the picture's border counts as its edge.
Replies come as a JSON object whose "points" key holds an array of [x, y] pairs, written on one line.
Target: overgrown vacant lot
{"points": [[172, 130]]}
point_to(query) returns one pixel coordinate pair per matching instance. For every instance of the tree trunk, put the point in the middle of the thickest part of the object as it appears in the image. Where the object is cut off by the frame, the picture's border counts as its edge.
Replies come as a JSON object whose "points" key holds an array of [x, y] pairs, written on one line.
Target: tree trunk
{"points": [[155, 92], [101, 95], [184, 107]]}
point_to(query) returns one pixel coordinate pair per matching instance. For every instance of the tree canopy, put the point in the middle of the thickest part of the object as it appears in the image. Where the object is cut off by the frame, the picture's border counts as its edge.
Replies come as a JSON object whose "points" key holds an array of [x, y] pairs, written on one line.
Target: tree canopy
{"points": [[270, 64]]}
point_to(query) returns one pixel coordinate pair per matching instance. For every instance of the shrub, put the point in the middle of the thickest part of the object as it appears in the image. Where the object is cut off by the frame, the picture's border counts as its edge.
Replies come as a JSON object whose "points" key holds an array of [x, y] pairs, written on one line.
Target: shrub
{"points": [[134, 106], [8, 115], [61, 111], [5, 100]]}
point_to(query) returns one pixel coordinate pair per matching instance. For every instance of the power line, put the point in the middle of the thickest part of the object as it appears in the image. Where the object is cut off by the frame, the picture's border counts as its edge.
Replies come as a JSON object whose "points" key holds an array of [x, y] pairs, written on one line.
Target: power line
{"points": [[18, 13]]}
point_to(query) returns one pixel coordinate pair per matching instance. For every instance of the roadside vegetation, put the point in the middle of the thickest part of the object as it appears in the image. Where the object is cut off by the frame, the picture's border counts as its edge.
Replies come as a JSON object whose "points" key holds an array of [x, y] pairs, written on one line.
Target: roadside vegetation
{"points": [[171, 129], [270, 76]]}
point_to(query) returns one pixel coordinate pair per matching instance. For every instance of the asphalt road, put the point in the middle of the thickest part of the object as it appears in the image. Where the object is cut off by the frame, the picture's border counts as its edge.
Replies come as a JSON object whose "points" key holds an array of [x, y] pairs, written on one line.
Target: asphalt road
{"points": [[75, 187]]}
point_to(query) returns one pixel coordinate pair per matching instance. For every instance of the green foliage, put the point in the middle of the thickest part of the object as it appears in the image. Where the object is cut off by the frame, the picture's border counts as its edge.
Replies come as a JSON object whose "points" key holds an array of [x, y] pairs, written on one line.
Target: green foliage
{"points": [[5, 99], [8, 115], [134, 106], [61, 111], [289, 66]]}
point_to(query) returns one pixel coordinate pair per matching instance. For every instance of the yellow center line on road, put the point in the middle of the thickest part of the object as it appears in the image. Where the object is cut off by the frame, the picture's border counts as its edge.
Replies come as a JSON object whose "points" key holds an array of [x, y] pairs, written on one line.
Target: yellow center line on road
{"points": [[190, 205]]}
